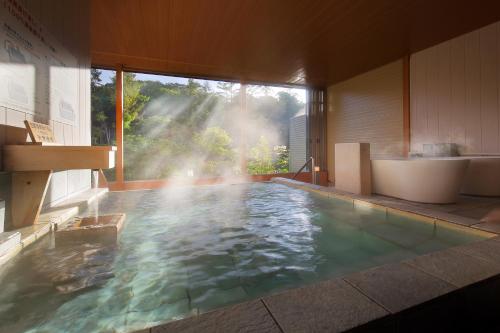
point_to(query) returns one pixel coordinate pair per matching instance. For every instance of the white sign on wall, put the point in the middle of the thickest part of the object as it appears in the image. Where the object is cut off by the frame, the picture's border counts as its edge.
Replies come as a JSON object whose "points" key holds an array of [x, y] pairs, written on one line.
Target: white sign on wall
{"points": [[37, 75]]}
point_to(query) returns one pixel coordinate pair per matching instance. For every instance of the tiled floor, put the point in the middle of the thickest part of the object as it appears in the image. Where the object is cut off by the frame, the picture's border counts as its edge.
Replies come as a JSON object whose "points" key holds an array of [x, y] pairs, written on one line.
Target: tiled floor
{"points": [[468, 210], [466, 206]]}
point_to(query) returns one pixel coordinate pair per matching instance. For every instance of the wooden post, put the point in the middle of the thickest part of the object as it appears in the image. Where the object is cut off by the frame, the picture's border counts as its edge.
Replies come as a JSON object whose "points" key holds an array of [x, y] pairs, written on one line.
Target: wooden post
{"points": [[313, 171], [243, 133], [28, 192], [119, 124], [406, 105]]}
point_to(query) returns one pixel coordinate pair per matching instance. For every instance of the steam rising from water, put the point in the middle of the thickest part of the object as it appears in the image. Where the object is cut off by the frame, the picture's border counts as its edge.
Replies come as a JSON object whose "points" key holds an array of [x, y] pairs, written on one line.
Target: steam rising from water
{"points": [[202, 134]]}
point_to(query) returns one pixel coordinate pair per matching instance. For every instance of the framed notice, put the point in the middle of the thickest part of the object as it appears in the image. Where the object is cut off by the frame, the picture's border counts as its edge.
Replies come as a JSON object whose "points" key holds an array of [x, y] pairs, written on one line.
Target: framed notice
{"points": [[40, 133]]}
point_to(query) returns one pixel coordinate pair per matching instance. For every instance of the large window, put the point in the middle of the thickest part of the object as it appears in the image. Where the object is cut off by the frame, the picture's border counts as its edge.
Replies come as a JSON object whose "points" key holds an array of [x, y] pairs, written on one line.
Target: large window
{"points": [[179, 127], [103, 103], [275, 129]]}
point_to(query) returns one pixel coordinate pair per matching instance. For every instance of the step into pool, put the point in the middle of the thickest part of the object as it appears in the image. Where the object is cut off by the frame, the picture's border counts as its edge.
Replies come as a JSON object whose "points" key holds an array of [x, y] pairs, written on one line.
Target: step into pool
{"points": [[188, 250]]}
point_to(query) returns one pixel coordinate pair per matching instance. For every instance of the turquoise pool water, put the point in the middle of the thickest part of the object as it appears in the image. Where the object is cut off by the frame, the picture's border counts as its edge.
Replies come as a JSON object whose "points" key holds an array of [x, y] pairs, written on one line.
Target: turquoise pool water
{"points": [[189, 250]]}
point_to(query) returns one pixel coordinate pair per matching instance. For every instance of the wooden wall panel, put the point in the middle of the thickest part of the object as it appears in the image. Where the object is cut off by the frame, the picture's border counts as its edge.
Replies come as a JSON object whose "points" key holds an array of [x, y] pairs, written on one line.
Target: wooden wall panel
{"points": [[313, 42], [367, 108], [472, 94], [498, 72], [418, 77], [457, 68], [443, 103], [458, 98], [489, 89], [431, 106]]}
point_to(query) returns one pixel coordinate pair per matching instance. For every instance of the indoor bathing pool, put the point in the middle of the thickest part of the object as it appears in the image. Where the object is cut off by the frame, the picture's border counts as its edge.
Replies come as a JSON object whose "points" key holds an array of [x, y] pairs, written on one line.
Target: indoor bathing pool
{"points": [[184, 251]]}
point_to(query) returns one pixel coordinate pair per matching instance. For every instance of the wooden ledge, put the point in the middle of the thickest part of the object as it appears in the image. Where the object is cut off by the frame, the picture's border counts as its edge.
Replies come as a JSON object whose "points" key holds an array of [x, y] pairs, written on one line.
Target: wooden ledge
{"points": [[40, 157]]}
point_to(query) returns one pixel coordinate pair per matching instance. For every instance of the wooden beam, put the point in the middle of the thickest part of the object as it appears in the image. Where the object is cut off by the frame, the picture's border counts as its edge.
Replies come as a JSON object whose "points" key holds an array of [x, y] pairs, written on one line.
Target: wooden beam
{"points": [[119, 124], [406, 105], [28, 192]]}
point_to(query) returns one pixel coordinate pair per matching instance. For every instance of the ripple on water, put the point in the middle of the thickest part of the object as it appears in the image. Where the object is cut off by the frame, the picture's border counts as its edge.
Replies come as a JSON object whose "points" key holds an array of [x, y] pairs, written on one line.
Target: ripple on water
{"points": [[189, 250]]}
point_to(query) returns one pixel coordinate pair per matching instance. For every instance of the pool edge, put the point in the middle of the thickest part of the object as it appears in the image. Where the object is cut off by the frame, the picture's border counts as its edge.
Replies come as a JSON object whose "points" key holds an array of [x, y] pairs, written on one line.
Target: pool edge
{"points": [[51, 219], [391, 297], [406, 210]]}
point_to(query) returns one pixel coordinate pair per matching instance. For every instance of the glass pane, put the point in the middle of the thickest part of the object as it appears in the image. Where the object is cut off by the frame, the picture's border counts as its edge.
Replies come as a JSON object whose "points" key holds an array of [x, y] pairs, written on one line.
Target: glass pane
{"points": [[103, 101], [179, 128], [275, 129], [191, 128]]}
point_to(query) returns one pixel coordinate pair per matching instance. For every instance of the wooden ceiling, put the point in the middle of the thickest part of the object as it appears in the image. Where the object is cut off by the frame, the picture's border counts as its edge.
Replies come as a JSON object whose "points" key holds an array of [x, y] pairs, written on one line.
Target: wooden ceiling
{"points": [[311, 42]]}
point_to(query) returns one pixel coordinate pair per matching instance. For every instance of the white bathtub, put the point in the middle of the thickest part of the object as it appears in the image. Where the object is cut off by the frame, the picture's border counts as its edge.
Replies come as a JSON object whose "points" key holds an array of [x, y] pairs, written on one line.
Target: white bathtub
{"points": [[428, 180], [483, 176]]}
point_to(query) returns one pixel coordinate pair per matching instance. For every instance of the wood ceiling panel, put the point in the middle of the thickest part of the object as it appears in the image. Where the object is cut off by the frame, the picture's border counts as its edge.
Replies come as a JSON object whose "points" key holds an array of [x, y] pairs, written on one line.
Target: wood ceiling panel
{"points": [[311, 42]]}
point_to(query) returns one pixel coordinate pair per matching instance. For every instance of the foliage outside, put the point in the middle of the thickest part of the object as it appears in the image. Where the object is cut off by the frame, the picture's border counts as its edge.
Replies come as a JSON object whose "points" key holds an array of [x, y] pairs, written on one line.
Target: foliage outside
{"points": [[193, 130]]}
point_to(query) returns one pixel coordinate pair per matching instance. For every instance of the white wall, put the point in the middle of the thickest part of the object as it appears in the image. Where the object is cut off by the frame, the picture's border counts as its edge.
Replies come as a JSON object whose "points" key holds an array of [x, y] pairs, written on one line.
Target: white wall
{"points": [[367, 108], [68, 22], [455, 93]]}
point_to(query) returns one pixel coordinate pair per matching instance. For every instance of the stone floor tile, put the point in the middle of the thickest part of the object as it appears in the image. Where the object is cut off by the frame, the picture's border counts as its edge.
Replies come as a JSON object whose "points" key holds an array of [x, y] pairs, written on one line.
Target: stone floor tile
{"points": [[450, 217], [33, 232], [398, 286], [456, 234], [9, 240], [488, 249], [331, 306], [464, 202], [476, 213], [245, 317], [455, 267], [488, 226]]}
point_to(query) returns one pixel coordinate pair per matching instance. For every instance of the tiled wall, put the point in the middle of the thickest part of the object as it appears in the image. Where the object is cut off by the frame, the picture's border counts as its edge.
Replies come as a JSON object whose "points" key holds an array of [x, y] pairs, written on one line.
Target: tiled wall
{"points": [[367, 108], [455, 93], [67, 21]]}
